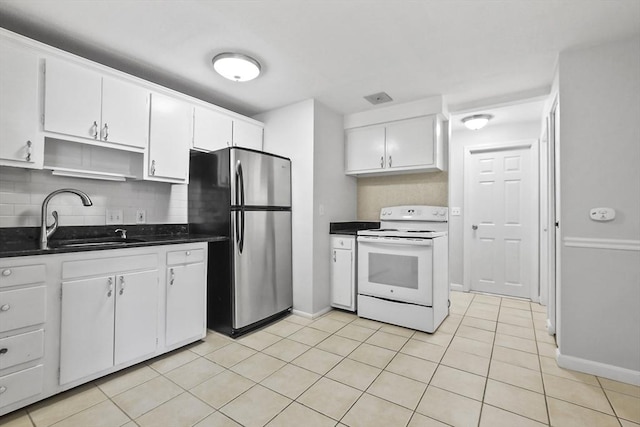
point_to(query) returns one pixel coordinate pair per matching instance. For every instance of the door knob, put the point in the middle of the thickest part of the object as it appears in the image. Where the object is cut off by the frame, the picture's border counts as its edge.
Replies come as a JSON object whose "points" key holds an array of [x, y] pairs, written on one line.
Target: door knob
{"points": [[474, 227]]}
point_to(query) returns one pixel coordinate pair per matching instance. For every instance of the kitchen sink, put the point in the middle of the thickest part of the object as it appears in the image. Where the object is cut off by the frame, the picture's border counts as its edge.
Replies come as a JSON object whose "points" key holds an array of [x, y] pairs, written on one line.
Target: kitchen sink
{"points": [[95, 242]]}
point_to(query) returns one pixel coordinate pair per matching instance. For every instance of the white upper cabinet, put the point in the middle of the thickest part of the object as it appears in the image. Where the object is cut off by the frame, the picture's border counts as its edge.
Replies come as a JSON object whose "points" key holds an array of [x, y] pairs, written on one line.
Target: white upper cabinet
{"points": [[212, 130], [412, 145], [247, 135], [169, 139], [82, 103], [20, 144]]}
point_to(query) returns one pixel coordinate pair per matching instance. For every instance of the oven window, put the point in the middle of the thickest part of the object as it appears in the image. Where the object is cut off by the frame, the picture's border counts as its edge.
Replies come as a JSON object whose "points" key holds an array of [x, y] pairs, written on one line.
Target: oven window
{"points": [[393, 270]]}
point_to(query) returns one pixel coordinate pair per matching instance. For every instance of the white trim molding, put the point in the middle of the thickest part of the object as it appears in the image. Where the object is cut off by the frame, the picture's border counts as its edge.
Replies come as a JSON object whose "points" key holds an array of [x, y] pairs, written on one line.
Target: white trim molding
{"points": [[309, 315], [604, 370], [456, 287], [595, 243]]}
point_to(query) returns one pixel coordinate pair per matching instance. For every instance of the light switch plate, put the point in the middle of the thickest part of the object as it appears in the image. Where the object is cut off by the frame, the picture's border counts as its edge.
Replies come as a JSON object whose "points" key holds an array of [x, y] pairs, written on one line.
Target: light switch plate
{"points": [[113, 217], [141, 216]]}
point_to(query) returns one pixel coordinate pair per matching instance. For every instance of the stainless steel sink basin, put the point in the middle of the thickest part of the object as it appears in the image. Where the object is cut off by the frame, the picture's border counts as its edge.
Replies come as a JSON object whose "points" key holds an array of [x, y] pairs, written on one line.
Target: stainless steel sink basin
{"points": [[83, 243]]}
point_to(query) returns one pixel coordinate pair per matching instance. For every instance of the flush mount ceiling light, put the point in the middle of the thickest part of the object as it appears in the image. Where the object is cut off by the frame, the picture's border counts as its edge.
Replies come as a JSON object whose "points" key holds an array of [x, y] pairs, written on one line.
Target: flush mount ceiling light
{"points": [[477, 121], [236, 66]]}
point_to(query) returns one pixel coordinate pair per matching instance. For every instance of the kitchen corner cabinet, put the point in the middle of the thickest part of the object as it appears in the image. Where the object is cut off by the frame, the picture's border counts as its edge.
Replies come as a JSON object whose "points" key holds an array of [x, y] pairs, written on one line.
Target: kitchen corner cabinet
{"points": [[343, 272], [169, 140], [412, 145], [186, 296], [20, 143], [84, 103], [214, 130], [109, 319]]}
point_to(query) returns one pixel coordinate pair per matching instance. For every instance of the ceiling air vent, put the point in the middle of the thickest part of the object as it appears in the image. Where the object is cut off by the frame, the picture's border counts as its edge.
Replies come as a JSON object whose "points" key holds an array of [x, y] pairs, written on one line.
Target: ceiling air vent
{"points": [[378, 98]]}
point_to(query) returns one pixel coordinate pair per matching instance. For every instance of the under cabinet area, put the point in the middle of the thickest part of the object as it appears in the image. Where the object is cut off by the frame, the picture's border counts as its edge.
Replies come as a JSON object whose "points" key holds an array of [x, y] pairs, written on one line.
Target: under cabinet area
{"points": [[411, 145], [83, 103], [343, 272], [20, 144], [108, 318]]}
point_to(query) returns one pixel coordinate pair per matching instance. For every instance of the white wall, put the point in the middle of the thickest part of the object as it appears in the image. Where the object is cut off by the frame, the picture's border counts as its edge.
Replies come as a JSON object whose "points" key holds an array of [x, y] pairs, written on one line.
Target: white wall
{"points": [[22, 192], [332, 190], [460, 139], [600, 166], [289, 132], [312, 136]]}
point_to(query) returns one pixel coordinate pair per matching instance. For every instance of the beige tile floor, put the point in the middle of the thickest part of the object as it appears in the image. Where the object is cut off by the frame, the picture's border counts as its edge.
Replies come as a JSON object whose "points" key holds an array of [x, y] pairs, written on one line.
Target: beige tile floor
{"points": [[489, 364]]}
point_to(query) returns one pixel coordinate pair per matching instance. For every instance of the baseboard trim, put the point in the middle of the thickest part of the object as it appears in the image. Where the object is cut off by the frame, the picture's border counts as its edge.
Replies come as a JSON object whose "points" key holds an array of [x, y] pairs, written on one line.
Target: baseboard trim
{"points": [[456, 287], [311, 315], [600, 369]]}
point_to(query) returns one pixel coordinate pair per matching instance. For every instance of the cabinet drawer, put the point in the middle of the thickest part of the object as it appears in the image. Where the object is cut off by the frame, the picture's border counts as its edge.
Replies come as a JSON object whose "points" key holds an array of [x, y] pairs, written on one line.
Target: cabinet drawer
{"points": [[22, 275], [22, 307], [185, 256], [105, 266], [21, 348], [342, 242], [20, 385]]}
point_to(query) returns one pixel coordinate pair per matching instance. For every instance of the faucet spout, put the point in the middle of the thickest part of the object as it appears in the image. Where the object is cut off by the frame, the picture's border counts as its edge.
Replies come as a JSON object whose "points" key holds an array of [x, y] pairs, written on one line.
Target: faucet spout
{"points": [[47, 231]]}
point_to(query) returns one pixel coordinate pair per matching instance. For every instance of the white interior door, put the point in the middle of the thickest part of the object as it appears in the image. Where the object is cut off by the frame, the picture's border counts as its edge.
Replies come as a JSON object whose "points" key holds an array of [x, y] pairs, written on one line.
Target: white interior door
{"points": [[501, 199]]}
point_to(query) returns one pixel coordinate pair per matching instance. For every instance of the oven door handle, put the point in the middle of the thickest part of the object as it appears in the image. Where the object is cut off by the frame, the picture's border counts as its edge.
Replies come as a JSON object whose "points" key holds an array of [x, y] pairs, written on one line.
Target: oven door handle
{"points": [[394, 241]]}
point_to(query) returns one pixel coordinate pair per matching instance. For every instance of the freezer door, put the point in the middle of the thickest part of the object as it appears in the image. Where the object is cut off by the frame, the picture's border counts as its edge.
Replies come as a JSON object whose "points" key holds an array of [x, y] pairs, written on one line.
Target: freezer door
{"points": [[259, 179], [262, 265]]}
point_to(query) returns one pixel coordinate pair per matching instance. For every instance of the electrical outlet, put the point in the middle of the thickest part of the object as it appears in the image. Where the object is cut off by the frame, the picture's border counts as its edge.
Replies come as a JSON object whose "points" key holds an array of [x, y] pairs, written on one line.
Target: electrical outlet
{"points": [[455, 211], [113, 217], [141, 216]]}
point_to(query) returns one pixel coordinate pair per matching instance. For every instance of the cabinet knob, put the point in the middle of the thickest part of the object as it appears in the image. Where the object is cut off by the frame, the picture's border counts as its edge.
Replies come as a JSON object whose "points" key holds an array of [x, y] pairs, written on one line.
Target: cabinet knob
{"points": [[29, 144], [3, 351], [474, 227], [5, 307], [188, 253], [6, 272], [2, 389]]}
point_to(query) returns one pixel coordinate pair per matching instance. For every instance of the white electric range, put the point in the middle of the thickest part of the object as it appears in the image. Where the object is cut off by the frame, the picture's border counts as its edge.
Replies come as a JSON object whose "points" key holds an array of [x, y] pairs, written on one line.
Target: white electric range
{"points": [[403, 268]]}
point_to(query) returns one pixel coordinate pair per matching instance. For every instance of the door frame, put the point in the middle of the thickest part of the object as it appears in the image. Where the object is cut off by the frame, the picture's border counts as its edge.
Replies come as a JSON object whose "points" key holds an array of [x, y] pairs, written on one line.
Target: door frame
{"points": [[469, 150]]}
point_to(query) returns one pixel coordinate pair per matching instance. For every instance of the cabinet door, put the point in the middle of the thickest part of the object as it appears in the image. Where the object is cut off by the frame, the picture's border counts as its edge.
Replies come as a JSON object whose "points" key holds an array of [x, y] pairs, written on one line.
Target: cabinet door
{"points": [[185, 302], [169, 138], [411, 143], [342, 277], [125, 113], [247, 135], [212, 130], [86, 328], [19, 105], [72, 100], [365, 149], [136, 315]]}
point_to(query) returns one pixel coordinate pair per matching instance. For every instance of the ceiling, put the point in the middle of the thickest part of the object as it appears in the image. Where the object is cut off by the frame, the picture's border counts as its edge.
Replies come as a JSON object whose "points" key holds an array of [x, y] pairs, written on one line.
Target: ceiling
{"points": [[472, 52]]}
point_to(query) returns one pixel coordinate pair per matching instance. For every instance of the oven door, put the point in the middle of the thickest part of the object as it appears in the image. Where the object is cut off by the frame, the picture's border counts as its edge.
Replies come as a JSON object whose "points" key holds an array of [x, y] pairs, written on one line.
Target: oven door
{"points": [[396, 269]]}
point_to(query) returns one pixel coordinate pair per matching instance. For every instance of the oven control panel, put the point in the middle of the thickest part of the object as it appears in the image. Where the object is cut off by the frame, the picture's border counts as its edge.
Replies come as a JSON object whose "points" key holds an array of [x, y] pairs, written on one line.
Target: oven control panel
{"points": [[415, 213]]}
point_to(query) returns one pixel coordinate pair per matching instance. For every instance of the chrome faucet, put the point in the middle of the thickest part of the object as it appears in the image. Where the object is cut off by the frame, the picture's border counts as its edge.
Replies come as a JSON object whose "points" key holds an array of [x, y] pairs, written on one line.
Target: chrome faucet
{"points": [[46, 231]]}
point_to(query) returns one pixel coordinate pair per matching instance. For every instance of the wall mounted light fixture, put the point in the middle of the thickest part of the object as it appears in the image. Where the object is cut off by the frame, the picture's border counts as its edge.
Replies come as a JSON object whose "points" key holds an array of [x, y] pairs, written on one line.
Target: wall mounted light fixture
{"points": [[236, 66], [477, 121]]}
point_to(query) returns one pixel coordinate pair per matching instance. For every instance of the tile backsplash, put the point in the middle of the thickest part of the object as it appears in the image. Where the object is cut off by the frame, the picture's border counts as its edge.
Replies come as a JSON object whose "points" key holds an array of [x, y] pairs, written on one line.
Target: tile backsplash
{"points": [[374, 193], [22, 192]]}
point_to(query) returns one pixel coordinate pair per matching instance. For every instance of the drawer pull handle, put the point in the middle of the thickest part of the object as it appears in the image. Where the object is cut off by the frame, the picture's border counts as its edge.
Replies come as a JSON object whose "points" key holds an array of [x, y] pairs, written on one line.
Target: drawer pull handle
{"points": [[6, 272], [2, 389], [121, 285], [5, 307], [173, 277], [3, 351], [110, 283]]}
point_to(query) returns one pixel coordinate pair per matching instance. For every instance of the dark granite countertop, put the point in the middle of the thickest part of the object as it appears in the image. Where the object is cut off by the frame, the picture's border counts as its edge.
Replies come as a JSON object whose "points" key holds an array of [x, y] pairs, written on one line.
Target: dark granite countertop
{"points": [[24, 241], [351, 227]]}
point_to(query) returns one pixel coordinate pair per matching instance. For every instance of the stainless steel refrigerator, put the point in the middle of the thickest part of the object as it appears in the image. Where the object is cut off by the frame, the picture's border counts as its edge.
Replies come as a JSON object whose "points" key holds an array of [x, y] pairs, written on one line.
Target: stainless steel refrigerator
{"points": [[244, 195]]}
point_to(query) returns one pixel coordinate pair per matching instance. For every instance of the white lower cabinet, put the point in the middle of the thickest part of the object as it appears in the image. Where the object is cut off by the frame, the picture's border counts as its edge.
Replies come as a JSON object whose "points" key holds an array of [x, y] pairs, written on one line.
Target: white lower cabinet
{"points": [[186, 282], [107, 321], [343, 281]]}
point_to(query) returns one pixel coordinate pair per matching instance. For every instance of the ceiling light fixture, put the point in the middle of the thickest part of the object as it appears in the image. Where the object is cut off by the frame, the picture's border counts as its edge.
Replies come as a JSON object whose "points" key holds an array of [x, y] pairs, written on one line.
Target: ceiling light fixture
{"points": [[477, 121], [236, 66]]}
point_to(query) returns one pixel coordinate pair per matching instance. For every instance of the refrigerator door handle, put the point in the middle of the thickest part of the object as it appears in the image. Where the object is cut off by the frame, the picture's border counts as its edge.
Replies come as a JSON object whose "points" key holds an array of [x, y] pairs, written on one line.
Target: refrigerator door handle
{"points": [[240, 188]]}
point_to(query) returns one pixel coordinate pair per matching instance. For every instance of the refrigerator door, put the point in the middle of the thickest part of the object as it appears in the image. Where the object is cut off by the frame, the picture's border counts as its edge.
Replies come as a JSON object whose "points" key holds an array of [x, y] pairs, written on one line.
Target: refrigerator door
{"points": [[259, 179], [262, 265]]}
